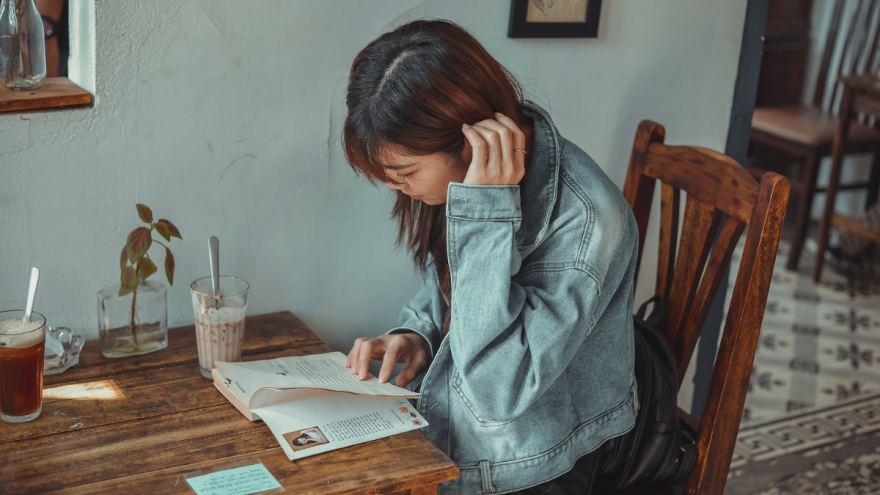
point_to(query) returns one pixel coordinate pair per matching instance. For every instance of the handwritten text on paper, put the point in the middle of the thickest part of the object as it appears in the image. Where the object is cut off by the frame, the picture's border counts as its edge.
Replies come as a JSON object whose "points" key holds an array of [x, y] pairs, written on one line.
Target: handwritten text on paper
{"points": [[243, 480]]}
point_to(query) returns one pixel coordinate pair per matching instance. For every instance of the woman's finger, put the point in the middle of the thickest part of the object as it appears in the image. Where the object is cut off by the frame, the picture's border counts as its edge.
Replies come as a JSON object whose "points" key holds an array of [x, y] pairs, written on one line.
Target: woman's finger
{"points": [[392, 354], [364, 357], [416, 363], [479, 147], [519, 140], [507, 160], [494, 163], [352, 355]]}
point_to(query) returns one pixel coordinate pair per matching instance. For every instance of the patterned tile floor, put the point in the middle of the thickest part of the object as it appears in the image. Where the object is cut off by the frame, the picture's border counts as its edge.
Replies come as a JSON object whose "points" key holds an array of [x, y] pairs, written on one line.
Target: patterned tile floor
{"points": [[849, 467], [812, 415], [819, 343]]}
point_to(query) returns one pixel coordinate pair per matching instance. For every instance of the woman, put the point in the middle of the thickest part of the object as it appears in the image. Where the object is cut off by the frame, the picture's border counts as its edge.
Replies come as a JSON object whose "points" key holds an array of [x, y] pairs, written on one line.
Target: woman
{"points": [[309, 436], [520, 338]]}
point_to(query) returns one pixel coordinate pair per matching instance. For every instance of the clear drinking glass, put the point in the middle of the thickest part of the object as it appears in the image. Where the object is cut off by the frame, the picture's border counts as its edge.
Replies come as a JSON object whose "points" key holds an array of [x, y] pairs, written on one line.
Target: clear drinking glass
{"points": [[219, 320], [22, 347], [22, 45], [134, 324]]}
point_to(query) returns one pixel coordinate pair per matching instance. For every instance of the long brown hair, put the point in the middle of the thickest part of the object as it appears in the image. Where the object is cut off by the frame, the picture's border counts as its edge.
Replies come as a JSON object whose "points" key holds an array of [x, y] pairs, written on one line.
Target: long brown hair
{"points": [[409, 92]]}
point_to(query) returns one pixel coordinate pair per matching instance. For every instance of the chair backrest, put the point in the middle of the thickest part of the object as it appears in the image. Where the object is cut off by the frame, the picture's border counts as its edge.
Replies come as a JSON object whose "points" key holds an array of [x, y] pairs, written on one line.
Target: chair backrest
{"points": [[850, 48], [690, 269]]}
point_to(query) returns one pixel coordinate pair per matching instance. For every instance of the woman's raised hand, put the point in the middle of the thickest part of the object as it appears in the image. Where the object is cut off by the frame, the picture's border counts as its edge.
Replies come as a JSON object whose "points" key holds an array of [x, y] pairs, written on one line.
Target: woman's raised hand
{"points": [[494, 160], [409, 348]]}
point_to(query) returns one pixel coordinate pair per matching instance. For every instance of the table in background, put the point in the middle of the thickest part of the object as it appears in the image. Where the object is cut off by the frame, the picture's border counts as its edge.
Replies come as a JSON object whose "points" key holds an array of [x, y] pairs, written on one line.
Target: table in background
{"points": [[135, 425]]}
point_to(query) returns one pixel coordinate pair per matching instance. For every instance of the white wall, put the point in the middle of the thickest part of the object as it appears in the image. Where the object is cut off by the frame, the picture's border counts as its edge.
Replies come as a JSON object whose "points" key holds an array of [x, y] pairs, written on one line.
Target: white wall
{"points": [[224, 117]]}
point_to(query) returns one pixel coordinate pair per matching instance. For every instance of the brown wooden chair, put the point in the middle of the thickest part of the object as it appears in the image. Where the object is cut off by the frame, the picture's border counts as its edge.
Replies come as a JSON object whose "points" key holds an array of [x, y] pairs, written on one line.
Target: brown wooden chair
{"points": [[690, 271], [803, 134], [861, 99]]}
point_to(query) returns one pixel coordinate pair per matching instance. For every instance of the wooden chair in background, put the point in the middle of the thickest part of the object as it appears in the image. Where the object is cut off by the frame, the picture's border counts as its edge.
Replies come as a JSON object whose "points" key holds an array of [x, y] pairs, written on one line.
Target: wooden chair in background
{"points": [[861, 98], [690, 271], [804, 134]]}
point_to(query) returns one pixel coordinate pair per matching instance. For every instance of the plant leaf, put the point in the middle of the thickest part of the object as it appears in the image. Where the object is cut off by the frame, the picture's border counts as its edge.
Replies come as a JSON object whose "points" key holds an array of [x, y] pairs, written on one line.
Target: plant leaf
{"points": [[163, 230], [139, 241], [123, 259], [128, 277], [125, 290], [169, 266], [172, 230], [145, 213], [146, 267]]}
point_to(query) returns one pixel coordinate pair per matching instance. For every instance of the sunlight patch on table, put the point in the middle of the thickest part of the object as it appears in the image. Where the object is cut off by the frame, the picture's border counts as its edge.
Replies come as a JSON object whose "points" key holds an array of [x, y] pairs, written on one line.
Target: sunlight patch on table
{"points": [[97, 390]]}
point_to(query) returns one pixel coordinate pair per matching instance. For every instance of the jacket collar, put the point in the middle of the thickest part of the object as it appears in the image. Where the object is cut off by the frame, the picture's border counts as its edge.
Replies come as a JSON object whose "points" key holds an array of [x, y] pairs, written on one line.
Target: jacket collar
{"points": [[539, 184]]}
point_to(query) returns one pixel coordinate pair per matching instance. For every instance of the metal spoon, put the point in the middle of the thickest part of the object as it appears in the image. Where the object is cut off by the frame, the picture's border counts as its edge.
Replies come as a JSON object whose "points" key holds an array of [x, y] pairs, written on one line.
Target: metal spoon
{"points": [[32, 294], [214, 255]]}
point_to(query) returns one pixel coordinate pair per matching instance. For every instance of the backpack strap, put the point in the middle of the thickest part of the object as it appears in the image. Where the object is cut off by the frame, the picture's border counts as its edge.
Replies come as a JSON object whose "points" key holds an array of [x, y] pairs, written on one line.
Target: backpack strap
{"points": [[658, 312]]}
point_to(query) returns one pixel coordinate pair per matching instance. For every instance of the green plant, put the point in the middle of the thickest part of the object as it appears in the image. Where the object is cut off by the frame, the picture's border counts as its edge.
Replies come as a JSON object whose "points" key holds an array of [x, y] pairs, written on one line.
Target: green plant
{"points": [[135, 261]]}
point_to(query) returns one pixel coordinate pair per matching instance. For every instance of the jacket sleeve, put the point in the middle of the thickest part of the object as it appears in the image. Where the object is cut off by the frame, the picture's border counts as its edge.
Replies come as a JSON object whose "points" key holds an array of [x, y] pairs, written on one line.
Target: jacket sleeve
{"points": [[509, 339], [417, 315]]}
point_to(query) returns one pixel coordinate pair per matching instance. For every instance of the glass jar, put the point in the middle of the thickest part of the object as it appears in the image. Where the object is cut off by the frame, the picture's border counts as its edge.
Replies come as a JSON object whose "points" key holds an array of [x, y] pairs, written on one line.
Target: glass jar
{"points": [[136, 323], [22, 45]]}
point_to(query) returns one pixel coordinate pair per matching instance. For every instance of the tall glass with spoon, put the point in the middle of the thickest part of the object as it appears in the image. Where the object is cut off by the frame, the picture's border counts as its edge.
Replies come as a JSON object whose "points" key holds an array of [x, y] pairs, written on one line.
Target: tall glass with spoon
{"points": [[219, 307]]}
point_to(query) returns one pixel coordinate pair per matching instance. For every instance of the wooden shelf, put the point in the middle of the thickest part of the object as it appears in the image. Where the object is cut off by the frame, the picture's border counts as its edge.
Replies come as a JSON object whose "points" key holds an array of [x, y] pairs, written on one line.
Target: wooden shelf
{"points": [[55, 92]]}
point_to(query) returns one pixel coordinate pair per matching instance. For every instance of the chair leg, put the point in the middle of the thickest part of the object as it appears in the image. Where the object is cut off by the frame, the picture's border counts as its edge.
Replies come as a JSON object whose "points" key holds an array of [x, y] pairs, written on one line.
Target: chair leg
{"points": [[828, 211], [874, 181], [805, 204]]}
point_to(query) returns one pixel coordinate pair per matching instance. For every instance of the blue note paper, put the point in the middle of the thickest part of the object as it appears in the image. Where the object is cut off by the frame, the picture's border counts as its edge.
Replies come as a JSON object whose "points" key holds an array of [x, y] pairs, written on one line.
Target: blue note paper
{"points": [[243, 480]]}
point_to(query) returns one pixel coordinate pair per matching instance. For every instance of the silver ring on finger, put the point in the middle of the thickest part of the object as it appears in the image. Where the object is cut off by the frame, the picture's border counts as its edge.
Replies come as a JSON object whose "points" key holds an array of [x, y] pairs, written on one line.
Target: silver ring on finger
{"points": [[522, 151]]}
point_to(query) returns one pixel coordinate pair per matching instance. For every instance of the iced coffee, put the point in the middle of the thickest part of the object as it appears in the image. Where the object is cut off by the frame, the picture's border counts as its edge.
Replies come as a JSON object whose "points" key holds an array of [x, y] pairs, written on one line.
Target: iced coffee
{"points": [[219, 320], [22, 347]]}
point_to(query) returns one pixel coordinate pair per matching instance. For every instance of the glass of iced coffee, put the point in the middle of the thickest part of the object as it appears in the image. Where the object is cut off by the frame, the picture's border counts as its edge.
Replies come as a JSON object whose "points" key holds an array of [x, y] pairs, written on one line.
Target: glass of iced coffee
{"points": [[219, 320], [22, 347]]}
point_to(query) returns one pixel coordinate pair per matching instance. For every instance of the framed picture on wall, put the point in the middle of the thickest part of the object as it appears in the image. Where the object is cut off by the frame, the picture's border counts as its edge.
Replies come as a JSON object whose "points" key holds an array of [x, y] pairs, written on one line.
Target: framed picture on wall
{"points": [[554, 18]]}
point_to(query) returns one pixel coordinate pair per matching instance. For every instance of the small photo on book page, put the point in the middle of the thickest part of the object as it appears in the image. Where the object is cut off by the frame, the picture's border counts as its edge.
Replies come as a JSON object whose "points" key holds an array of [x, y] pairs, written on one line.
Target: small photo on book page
{"points": [[305, 438], [333, 420]]}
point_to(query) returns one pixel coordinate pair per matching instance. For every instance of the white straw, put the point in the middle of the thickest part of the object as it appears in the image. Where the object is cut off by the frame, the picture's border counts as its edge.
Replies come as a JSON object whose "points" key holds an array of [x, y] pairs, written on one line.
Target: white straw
{"points": [[32, 294]]}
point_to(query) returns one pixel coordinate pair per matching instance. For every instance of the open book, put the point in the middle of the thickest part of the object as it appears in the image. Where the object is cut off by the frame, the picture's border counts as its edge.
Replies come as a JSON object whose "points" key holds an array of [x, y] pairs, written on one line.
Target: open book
{"points": [[313, 404]]}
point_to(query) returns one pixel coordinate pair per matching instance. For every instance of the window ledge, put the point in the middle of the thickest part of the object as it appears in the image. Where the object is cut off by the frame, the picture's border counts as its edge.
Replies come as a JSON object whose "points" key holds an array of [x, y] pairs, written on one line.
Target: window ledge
{"points": [[55, 92]]}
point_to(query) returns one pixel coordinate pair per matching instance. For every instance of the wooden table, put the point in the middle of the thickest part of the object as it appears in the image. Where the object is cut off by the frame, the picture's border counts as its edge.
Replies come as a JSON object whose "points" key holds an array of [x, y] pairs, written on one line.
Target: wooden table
{"points": [[135, 425], [861, 96]]}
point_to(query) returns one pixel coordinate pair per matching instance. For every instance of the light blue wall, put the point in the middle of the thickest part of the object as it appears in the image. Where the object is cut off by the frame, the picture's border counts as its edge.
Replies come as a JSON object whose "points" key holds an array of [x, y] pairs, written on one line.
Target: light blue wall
{"points": [[224, 116]]}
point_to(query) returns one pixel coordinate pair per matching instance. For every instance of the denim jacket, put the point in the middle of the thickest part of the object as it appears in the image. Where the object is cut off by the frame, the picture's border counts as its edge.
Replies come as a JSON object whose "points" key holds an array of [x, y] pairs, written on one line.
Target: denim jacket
{"points": [[537, 367]]}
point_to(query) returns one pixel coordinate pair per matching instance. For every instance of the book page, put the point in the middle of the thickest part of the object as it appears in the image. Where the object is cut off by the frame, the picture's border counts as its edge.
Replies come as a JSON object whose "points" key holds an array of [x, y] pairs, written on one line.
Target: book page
{"points": [[326, 371], [330, 420]]}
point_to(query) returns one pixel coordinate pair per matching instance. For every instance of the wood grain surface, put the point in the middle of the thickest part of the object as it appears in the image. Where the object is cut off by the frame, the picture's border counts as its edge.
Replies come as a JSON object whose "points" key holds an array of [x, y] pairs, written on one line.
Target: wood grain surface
{"points": [[55, 92], [139, 424]]}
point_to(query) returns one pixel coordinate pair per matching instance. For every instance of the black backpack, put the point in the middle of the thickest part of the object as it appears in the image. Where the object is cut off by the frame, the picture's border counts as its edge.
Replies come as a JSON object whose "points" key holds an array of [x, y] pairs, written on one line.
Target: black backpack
{"points": [[660, 450]]}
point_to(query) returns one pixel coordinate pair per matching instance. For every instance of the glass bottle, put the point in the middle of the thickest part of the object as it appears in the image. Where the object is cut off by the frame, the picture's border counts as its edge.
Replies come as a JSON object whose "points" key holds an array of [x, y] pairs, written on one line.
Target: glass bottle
{"points": [[22, 45], [136, 323]]}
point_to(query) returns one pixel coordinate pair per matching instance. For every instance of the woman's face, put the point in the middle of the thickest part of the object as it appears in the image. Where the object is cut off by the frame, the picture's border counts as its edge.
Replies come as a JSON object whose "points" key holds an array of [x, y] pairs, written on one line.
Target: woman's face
{"points": [[426, 178]]}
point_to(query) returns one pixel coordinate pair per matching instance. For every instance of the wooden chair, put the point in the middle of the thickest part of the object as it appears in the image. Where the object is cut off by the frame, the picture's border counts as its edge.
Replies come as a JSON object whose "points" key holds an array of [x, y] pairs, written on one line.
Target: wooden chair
{"points": [[690, 270], [861, 97], [804, 133]]}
